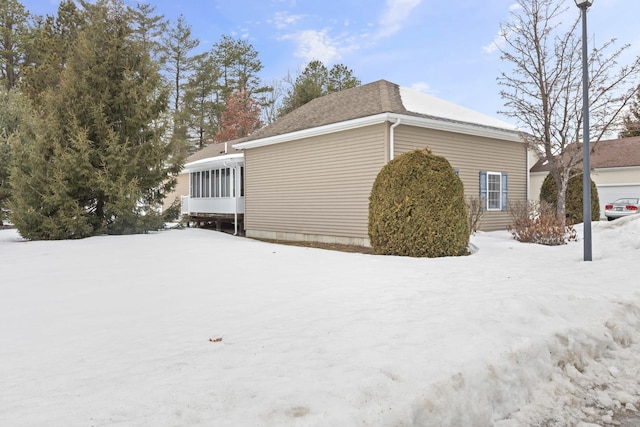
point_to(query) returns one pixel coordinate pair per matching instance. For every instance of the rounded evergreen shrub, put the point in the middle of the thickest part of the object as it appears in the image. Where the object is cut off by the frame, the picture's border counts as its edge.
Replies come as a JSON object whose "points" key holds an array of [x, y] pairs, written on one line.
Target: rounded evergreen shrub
{"points": [[417, 208], [573, 198]]}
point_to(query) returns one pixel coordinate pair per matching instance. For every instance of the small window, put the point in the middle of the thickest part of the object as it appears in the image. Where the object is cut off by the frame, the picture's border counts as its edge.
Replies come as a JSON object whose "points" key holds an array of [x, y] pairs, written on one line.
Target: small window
{"points": [[225, 182], [241, 181], [216, 183], [493, 190], [207, 184]]}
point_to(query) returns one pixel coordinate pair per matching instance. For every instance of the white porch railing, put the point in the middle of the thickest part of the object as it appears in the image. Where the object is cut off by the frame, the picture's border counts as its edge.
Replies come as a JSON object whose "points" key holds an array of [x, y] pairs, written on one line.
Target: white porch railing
{"points": [[212, 205], [184, 205]]}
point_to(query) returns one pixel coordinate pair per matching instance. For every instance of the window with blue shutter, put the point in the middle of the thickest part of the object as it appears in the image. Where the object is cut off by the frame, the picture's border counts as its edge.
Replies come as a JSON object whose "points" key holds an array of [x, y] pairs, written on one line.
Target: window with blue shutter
{"points": [[483, 189], [494, 190], [505, 190]]}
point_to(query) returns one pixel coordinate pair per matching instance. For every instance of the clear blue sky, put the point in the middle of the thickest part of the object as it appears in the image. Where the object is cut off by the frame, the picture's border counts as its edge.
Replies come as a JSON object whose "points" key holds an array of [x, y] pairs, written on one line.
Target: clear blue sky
{"points": [[440, 47]]}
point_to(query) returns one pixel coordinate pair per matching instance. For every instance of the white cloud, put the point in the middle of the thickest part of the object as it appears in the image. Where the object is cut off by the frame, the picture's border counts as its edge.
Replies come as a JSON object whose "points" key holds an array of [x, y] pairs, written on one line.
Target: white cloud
{"points": [[313, 44], [495, 44], [243, 33], [395, 15], [283, 20], [421, 87], [499, 40]]}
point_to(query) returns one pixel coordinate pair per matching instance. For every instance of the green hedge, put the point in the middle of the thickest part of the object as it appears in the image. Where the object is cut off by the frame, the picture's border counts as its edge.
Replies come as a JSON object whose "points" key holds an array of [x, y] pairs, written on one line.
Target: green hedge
{"points": [[573, 197], [417, 208]]}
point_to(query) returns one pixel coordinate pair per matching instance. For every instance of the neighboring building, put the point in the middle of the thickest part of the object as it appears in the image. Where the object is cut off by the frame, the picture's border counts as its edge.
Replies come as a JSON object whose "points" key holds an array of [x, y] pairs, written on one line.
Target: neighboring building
{"points": [[210, 189], [615, 170], [308, 176]]}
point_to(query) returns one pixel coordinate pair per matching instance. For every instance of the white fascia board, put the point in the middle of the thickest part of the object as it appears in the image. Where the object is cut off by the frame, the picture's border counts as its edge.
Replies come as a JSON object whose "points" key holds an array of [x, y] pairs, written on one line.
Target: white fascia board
{"points": [[424, 122], [316, 131], [622, 184], [214, 162], [460, 127], [617, 169]]}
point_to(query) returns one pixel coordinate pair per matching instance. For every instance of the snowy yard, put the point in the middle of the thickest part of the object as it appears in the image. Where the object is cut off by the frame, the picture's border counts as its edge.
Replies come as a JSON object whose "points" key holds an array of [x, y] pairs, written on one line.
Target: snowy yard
{"points": [[193, 327]]}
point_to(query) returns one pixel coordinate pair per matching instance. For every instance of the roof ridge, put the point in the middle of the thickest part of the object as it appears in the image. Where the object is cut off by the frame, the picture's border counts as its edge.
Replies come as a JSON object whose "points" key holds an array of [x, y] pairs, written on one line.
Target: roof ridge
{"points": [[390, 100], [607, 153]]}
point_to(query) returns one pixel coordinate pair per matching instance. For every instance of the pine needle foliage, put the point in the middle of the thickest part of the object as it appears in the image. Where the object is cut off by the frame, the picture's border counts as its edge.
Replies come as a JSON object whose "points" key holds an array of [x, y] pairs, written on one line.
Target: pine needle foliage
{"points": [[417, 208], [574, 197], [93, 159]]}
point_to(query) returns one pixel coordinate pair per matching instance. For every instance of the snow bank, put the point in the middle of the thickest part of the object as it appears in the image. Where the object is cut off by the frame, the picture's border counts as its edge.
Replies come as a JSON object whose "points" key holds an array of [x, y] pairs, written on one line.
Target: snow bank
{"points": [[194, 327]]}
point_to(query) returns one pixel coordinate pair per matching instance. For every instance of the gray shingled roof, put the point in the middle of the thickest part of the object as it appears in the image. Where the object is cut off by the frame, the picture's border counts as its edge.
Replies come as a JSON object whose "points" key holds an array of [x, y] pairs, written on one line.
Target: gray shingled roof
{"points": [[613, 153], [373, 99], [362, 101]]}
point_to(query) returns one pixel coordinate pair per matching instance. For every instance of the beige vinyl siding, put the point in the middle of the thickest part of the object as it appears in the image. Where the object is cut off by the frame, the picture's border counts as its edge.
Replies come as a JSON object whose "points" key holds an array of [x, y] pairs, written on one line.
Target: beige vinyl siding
{"points": [[182, 189], [315, 187], [535, 184], [470, 155], [616, 176]]}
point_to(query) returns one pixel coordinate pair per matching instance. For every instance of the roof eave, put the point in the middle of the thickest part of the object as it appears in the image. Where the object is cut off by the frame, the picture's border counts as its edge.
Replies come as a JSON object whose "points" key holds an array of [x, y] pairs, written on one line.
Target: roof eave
{"points": [[445, 125], [462, 127], [227, 159], [315, 131]]}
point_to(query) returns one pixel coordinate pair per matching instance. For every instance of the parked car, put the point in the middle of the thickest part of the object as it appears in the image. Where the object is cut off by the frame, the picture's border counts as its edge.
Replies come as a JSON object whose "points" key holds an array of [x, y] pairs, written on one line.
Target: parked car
{"points": [[622, 207]]}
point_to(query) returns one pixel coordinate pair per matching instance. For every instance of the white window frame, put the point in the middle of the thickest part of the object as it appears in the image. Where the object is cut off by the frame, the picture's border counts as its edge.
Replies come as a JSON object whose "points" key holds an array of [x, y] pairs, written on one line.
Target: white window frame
{"points": [[498, 193]]}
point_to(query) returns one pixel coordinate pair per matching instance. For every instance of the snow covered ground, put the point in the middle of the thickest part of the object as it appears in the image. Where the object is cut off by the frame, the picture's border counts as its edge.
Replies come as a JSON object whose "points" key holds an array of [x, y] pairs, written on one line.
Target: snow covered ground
{"points": [[193, 327]]}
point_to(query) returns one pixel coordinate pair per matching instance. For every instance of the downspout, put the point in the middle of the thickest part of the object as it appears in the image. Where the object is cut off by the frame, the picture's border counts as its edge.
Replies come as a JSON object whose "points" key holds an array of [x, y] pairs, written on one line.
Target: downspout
{"points": [[528, 174], [392, 142], [236, 191]]}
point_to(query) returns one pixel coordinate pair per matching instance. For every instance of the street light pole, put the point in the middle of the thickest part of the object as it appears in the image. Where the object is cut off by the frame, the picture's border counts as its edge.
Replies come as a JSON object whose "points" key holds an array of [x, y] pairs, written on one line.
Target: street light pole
{"points": [[586, 158]]}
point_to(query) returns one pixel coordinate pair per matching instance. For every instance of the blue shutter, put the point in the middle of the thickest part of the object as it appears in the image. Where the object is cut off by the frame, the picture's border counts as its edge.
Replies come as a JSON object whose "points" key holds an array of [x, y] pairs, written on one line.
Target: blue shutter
{"points": [[483, 189], [505, 190]]}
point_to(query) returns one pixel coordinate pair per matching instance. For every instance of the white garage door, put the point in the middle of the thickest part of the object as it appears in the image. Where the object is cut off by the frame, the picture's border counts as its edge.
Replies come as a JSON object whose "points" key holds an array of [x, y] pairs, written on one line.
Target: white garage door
{"points": [[609, 193]]}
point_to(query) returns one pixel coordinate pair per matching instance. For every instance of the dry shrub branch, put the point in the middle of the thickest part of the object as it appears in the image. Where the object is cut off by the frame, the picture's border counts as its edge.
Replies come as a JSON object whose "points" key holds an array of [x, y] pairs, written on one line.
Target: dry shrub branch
{"points": [[538, 222]]}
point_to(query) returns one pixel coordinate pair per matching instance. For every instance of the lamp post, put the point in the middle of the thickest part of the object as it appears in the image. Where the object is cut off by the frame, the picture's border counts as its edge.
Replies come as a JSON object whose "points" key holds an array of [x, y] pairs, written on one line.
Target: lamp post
{"points": [[586, 160]]}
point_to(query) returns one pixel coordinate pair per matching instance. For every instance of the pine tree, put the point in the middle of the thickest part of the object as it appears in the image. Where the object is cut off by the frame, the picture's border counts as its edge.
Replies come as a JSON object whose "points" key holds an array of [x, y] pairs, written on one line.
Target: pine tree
{"points": [[239, 66], [94, 159], [632, 120], [14, 35], [316, 81], [13, 109], [149, 28], [50, 50], [200, 101], [177, 56], [341, 78], [178, 60]]}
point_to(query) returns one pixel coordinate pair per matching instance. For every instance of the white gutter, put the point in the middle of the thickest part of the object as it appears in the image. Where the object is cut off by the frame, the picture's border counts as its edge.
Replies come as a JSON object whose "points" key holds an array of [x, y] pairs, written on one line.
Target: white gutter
{"points": [[425, 122], [316, 131], [392, 136], [212, 162]]}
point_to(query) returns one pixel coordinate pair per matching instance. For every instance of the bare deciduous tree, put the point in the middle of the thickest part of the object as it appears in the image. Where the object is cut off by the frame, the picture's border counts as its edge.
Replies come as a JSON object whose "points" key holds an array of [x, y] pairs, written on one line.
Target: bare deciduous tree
{"points": [[543, 88]]}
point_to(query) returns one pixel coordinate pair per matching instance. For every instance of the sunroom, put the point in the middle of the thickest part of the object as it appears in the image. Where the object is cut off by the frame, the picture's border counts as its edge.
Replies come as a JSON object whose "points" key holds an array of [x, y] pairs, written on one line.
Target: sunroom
{"points": [[216, 192]]}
